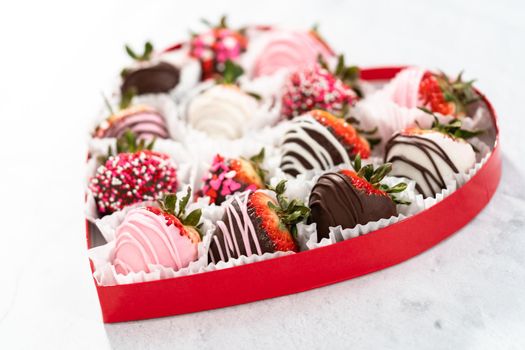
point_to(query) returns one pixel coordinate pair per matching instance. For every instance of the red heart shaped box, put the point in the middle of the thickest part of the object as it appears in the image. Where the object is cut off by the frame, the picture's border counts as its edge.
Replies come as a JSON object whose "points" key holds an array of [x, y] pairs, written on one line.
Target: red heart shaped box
{"points": [[309, 269]]}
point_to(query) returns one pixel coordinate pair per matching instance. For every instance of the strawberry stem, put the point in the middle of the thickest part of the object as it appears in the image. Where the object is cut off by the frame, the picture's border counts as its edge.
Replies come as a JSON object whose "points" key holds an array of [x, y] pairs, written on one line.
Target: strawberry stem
{"points": [[256, 162], [452, 128], [169, 204], [290, 212], [374, 177], [349, 75], [231, 73], [146, 54]]}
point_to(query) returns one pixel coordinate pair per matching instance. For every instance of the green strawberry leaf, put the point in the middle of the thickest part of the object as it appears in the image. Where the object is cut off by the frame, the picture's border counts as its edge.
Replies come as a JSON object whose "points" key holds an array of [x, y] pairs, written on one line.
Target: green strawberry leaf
{"points": [[193, 218], [168, 202], [232, 71], [184, 202]]}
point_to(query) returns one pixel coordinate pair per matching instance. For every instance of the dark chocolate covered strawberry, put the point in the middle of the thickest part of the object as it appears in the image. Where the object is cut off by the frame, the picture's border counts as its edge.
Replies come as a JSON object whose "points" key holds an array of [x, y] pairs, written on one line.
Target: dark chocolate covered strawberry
{"points": [[148, 74], [256, 223], [349, 198]]}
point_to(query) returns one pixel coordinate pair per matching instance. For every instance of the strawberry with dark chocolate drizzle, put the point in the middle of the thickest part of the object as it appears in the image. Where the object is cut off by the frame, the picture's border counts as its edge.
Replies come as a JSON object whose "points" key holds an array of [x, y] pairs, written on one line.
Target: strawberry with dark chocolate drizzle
{"points": [[319, 140], [348, 198], [256, 223]]}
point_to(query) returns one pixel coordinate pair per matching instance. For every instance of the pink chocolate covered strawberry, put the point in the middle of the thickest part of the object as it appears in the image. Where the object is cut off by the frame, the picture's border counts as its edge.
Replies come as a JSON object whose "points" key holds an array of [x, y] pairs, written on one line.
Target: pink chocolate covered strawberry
{"points": [[416, 87], [150, 236]]}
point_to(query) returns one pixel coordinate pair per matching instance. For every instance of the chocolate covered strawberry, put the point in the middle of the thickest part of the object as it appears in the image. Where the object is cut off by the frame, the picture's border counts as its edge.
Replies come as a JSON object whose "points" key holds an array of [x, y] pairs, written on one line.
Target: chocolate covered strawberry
{"points": [[431, 157], [348, 198], [152, 236], [319, 140], [223, 110], [256, 223], [149, 73], [230, 175], [319, 88], [144, 121], [134, 174], [217, 46], [417, 87], [448, 97]]}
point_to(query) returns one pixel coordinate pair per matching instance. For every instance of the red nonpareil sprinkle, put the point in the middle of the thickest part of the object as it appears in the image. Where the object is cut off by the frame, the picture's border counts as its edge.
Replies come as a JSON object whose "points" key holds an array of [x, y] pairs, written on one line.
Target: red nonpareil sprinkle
{"points": [[170, 219], [315, 88], [129, 178], [431, 95]]}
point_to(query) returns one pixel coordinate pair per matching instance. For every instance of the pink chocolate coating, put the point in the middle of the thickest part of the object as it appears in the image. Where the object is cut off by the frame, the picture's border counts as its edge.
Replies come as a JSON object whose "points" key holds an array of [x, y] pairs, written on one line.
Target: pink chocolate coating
{"points": [[404, 88], [292, 50], [143, 238]]}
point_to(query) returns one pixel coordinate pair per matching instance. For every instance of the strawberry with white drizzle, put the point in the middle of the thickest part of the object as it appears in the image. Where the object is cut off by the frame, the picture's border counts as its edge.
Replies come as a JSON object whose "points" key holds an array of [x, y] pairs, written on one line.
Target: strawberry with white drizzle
{"points": [[431, 157], [157, 236]]}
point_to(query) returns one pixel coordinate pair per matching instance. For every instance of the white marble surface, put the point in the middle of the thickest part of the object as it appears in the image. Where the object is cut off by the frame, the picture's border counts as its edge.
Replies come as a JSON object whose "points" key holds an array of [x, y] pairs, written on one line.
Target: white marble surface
{"points": [[466, 293]]}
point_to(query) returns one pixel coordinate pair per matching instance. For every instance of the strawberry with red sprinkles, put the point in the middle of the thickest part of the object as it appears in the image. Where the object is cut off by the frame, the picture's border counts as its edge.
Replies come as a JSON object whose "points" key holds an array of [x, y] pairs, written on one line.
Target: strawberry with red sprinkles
{"points": [[134, 174]]}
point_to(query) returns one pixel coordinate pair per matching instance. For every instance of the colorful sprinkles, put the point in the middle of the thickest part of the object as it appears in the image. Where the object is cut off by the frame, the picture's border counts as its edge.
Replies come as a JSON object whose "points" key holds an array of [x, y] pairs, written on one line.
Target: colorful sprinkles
{"points": [[129, 178], [221, 180], [315, 88]]}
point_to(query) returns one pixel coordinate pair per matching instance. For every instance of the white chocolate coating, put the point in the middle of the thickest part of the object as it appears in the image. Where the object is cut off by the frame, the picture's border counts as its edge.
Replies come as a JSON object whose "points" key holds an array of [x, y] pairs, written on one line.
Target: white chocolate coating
{"points": [[221, 111], [430, 159]]}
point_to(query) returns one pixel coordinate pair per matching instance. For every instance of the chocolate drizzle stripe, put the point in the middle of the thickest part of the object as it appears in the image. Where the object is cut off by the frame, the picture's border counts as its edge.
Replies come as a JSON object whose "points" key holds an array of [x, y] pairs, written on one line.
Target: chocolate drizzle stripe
{"points": [[309, 145], [429, 148]]}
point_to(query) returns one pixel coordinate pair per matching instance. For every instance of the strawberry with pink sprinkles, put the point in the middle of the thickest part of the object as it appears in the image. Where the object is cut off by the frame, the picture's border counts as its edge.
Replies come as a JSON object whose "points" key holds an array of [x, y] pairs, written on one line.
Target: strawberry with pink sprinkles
{"points": [[227, 176], [319, 88], [131, 177]]}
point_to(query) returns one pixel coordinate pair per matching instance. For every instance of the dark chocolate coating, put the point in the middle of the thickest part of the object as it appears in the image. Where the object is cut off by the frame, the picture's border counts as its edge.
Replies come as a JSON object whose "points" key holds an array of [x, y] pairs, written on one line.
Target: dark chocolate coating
{"points": [[431, 149], [218, 245], [158, 78], [334, 201]]}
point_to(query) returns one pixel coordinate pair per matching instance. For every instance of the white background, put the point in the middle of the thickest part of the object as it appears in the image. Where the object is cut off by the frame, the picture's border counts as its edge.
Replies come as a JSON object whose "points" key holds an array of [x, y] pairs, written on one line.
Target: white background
{"points": [[56, 57]]}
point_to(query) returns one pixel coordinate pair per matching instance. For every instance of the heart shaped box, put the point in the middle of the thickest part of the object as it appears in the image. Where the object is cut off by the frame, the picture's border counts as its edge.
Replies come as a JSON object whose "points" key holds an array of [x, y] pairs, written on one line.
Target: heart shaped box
{"points": [[309, 269]]}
